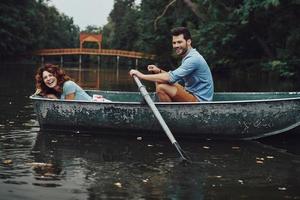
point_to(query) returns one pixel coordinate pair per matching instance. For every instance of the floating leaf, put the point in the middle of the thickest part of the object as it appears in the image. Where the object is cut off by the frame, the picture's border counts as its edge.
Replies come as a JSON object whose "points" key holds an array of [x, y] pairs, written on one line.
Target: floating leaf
{"points": [[145, 180], [282, 188], [37, 164], [118, 184], [214, 177], [7, 162]]}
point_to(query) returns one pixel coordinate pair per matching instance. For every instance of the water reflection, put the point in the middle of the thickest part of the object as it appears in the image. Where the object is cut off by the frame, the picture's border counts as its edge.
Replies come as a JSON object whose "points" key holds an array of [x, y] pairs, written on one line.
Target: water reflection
{"points": [[103, 78], [252, 79], [113, 167], [242, 80]]}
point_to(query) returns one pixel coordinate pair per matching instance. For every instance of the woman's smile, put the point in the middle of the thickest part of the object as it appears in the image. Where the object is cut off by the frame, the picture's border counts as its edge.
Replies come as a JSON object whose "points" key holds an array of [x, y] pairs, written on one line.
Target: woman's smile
{"points": [[49, 79]]}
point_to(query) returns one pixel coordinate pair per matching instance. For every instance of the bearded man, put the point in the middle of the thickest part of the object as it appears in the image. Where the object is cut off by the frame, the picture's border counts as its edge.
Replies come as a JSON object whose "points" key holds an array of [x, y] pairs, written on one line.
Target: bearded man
{"points": [[194, 72]]}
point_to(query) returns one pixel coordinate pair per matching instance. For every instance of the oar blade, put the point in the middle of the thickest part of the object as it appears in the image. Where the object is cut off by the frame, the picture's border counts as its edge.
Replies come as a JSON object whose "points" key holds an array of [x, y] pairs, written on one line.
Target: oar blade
{"points": [[185, 159]]}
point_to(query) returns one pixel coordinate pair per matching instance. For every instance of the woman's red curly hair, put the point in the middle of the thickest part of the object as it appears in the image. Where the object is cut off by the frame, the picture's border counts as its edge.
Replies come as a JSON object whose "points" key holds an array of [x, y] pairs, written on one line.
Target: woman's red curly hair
{"points": [[57, 72]]}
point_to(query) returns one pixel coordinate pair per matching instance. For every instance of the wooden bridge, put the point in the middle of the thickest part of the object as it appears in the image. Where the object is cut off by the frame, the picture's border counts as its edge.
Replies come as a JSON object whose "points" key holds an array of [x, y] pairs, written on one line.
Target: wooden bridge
{"points": [[88, 37], [98, 52]]}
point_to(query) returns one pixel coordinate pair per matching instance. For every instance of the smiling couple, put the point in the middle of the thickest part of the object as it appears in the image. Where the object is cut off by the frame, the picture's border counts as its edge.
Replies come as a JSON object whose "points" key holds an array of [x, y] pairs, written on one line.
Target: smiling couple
{"points": [[52, 82]]}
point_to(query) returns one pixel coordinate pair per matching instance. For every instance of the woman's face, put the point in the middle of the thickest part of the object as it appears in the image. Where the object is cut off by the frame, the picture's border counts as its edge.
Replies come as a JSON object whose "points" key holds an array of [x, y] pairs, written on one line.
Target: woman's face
{"points": [[49, 79]]}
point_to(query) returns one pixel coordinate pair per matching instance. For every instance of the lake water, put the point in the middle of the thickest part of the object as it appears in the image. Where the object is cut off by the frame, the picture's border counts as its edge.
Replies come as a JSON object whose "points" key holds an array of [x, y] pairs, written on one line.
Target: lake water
{"points": [[42, 165]]}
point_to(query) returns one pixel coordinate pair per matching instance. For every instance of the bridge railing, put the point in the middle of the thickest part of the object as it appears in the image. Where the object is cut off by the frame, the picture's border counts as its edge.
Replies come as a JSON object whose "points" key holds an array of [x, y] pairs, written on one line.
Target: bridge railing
{"points": [[86, 51]]}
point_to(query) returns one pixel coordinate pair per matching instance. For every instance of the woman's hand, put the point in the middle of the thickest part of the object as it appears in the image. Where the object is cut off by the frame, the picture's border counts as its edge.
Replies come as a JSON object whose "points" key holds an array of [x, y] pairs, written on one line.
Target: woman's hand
{"points": [[37, 92], [51, 96], [70, 96]]}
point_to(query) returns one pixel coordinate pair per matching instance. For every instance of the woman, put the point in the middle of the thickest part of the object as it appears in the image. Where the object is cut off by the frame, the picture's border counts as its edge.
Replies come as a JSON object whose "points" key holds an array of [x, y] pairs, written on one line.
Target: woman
{"points": [[52, 82]]}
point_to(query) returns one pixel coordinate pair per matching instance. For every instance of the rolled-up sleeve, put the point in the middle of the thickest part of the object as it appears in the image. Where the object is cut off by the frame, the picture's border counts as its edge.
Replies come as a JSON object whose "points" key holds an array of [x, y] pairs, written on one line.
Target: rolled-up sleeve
{"points": [[186, 68], [172, 79]]}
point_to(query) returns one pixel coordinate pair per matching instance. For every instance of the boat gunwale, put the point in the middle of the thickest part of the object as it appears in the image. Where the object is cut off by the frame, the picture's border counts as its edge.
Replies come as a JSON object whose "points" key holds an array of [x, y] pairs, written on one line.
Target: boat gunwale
{"points": [[33, 97]]}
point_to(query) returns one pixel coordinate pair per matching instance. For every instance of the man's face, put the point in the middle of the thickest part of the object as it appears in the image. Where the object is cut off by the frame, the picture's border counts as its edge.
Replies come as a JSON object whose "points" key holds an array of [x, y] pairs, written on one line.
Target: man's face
{"points": [[180, 45]]}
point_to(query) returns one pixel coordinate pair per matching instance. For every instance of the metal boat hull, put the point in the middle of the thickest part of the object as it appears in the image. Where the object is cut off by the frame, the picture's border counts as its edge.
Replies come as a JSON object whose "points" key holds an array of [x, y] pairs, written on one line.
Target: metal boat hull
{"points": [[229, 116]]}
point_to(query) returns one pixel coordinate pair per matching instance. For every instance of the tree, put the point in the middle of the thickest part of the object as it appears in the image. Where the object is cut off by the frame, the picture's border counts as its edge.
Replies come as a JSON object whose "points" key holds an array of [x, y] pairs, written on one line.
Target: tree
{"points": [[123, 18], [29, 25]]}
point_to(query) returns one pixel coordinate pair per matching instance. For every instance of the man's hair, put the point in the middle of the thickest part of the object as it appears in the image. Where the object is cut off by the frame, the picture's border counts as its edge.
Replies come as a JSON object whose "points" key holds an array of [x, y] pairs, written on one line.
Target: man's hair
{"points": [[181, 30]]}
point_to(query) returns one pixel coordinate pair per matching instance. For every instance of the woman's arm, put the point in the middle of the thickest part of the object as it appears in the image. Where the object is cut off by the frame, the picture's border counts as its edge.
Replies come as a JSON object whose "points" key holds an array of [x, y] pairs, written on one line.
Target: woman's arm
{"points": [[51, 96], [70, 96], [69, 90]]}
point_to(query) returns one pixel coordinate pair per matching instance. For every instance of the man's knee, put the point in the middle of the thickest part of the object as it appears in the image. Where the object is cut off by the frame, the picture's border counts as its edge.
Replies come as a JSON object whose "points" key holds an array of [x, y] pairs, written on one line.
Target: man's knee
{"points": [[167, 89], [162, 92], [160, 87]]}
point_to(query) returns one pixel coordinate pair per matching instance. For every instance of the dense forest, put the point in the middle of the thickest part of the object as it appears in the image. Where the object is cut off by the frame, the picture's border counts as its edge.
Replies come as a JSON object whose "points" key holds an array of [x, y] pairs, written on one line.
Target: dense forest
{"points": [[229, 33], [28, 25]]}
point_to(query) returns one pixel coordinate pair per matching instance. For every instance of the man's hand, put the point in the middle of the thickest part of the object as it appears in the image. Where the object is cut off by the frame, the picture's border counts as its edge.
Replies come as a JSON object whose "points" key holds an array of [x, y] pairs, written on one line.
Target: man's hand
{"points": [[159, 77], [154, 69], [136, 72]]}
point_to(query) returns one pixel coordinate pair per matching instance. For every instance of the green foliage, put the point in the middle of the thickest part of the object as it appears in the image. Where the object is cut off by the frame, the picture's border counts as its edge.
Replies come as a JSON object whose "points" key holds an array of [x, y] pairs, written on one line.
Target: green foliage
{"points": [[280, 67], [225, 32], [29, 25], [92, 29], [123, 31]]}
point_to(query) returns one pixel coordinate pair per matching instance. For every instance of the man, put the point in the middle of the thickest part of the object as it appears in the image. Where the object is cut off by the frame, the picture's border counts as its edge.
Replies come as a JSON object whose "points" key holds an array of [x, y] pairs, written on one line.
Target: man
{"points": [[194, 71]]}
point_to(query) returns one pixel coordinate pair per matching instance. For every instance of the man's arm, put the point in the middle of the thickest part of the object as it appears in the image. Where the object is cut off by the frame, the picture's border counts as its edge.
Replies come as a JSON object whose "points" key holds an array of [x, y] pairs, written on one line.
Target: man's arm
{"points": [[163, 77]]}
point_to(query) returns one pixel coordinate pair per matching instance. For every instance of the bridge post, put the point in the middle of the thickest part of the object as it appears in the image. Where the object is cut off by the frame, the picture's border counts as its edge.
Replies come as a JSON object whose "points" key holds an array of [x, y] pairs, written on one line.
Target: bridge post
{"points": [[79, 73], [61, 61], [118, 60], [136, 63], [98, 59], [80, 59], [42, 60]]}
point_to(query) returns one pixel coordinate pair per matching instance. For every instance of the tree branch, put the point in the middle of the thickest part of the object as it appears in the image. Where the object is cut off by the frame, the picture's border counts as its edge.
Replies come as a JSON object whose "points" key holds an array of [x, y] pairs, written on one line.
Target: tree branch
{"points": [[195, 9], [164, 12], [193, 6]]}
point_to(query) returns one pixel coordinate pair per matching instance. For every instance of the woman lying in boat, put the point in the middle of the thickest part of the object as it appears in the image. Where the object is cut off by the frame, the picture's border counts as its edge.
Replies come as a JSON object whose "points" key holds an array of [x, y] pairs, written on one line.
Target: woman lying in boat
{"points": [[52, 82]]}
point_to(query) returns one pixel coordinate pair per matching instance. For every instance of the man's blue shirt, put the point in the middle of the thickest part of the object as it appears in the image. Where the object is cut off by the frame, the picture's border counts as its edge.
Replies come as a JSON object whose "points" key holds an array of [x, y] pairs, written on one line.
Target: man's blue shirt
{"points": [[195, 73]]}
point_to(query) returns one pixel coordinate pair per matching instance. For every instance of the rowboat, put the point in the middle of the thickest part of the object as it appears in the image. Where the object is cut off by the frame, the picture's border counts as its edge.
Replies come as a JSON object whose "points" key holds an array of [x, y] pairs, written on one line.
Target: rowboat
{"points": [[234, 115]]}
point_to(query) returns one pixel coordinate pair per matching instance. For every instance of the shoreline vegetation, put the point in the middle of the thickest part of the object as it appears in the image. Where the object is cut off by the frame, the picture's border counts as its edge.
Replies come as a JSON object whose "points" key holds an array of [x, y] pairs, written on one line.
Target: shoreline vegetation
{"points": [[229, 34]]}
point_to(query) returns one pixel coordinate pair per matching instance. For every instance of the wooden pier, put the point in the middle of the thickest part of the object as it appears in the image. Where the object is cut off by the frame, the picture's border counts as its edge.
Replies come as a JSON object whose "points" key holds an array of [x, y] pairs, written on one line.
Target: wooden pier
{"points": [[99, 52], [95, 38], [96, 52]]}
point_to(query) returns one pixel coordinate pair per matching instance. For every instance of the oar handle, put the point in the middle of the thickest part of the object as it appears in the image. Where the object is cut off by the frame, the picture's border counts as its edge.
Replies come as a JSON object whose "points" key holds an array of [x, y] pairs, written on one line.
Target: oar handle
{"points": [[138, 82]]}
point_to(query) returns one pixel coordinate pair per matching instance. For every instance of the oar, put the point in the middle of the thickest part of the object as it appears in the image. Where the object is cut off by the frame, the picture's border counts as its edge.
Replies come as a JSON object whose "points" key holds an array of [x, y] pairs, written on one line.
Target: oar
{"points": [[159, 117]]}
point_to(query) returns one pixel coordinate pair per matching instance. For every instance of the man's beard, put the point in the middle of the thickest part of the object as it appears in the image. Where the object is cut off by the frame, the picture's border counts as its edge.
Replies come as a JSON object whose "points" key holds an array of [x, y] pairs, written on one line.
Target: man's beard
{"points": [[183, 51]]}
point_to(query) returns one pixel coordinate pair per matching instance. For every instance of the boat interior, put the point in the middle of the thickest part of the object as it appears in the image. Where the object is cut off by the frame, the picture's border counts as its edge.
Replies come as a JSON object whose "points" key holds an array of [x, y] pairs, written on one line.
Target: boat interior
{"points": [[218, 96]]}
